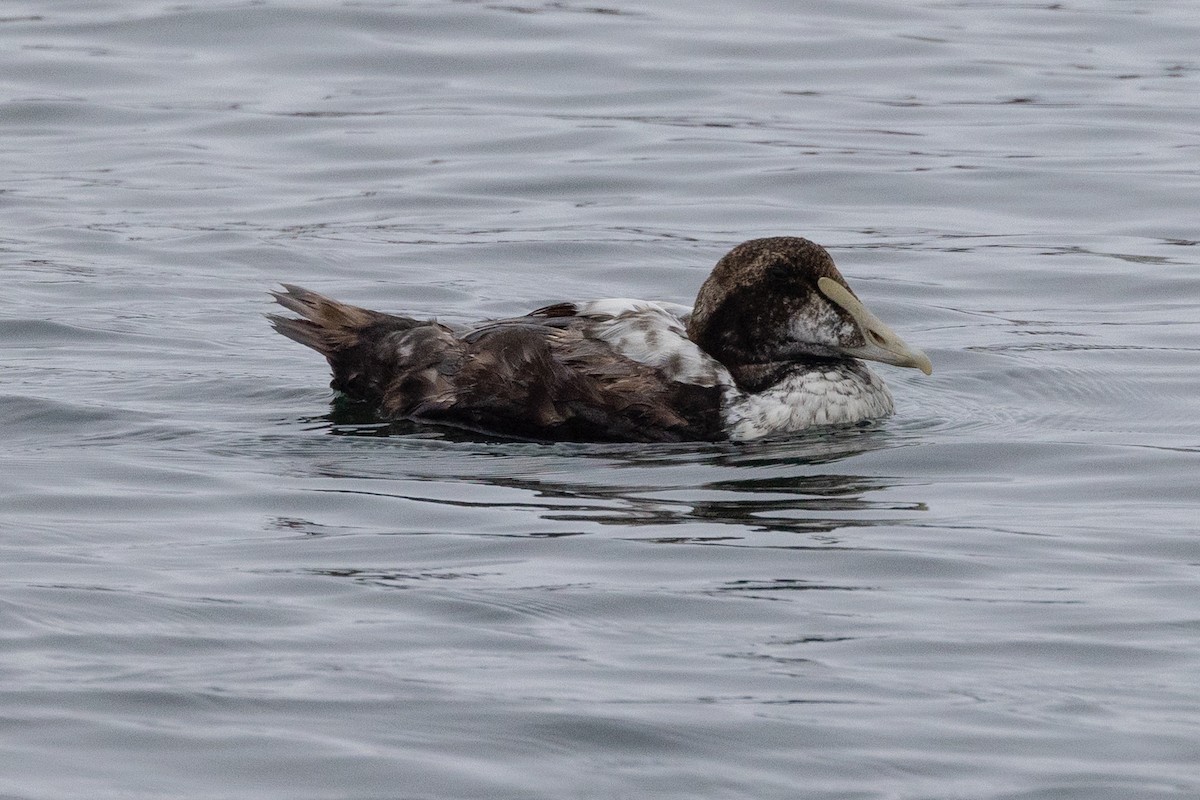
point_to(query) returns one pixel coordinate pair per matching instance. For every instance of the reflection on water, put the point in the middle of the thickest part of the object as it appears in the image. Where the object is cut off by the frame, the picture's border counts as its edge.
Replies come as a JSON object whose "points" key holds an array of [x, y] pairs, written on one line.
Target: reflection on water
{"points": [[743, 488]]}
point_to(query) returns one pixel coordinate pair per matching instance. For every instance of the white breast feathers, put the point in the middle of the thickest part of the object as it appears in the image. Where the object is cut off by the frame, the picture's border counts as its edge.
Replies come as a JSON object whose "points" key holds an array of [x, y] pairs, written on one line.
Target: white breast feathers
{"points": [[832, 396]]}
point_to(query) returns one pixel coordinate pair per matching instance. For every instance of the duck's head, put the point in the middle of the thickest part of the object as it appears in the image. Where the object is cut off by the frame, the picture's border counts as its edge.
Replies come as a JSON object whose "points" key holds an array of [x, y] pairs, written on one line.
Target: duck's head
{"points": [[770, 303]]}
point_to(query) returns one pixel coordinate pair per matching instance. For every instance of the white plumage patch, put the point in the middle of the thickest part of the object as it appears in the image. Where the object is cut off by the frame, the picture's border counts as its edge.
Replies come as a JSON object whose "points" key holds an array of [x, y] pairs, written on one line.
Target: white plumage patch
{"points": [[806, 398], [654, 334]]}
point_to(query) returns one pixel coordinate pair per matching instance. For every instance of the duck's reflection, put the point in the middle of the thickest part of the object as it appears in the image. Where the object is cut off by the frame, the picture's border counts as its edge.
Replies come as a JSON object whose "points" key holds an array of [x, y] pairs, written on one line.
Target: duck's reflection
{"points": [[724, 492]]}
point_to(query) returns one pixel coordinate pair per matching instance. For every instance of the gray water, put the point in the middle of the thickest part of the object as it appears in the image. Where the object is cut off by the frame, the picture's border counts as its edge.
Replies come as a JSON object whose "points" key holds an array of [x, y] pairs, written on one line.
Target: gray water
{"points": [[211, 589]]}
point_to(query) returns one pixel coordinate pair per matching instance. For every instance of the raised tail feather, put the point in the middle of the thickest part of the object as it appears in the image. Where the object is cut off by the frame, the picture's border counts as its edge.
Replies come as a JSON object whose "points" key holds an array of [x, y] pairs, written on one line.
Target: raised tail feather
{"points": [[328, 326], [360, 345]]}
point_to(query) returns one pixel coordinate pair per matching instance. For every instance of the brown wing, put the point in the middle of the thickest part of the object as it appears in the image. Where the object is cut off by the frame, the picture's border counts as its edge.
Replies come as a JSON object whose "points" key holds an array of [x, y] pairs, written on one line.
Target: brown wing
{"points": [[548, 381]]}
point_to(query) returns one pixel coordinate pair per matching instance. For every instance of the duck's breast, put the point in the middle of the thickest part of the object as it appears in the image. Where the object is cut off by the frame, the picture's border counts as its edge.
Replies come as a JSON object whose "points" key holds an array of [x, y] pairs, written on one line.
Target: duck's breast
{"points": [[807, 397]]}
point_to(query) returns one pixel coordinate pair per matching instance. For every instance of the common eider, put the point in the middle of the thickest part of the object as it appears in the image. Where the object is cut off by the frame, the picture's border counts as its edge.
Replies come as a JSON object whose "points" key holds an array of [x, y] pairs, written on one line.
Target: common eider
{"points": [[772, 346]]}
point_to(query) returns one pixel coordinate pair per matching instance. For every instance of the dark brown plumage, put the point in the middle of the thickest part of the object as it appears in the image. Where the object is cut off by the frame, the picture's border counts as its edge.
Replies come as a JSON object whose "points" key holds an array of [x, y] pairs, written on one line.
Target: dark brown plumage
{"points": [[533, 377]]}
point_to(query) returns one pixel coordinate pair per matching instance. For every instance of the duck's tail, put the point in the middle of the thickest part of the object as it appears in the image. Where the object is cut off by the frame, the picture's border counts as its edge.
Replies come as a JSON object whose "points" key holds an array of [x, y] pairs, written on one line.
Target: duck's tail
{"points": [[365, 349], [327, 325]]}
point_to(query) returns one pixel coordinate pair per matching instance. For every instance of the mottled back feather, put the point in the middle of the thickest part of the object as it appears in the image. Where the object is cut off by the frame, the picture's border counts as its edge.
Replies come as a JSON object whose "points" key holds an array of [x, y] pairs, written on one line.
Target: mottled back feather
{"points": [[542, 376]]}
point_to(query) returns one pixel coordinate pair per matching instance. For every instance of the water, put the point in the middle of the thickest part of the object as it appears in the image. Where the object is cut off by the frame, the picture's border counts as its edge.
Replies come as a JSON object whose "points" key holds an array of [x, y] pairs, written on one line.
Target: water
{"points": [[210, 590]]}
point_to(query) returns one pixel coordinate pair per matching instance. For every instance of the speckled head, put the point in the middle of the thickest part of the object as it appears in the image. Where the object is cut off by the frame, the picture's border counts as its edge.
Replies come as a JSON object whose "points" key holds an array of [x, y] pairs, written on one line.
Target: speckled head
{"points": [[772, 302]]}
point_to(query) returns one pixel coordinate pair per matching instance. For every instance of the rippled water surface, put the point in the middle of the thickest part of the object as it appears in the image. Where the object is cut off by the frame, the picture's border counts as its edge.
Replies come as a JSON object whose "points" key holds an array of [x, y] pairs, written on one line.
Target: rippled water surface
{"points": [[208, 589]]}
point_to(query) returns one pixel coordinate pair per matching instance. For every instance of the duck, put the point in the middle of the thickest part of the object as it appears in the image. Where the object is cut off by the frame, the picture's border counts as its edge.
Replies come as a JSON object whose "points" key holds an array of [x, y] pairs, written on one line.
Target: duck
{"points": [[774, 344]]}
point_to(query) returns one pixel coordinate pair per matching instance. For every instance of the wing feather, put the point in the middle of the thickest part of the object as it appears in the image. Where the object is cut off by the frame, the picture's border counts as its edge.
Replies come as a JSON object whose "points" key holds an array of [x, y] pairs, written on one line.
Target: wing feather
{"points": [[607, 370]]}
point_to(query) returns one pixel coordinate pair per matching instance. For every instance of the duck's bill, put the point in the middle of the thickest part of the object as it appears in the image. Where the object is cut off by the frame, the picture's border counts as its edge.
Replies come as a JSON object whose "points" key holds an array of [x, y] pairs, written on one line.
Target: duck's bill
{"points": [[882, 343]]}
